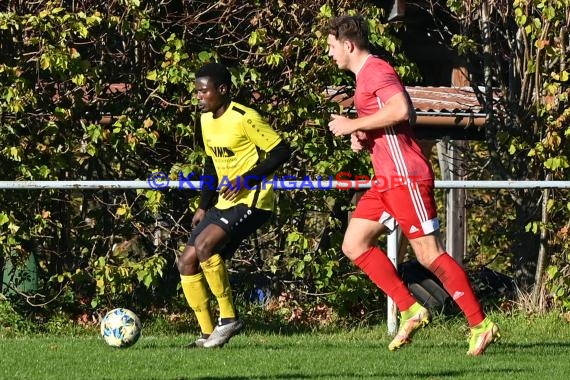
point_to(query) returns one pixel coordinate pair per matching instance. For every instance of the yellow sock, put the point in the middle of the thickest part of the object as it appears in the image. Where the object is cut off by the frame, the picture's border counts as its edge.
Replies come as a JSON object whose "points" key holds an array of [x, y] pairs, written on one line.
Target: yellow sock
{"points": [[217, 276], [194, 287]]}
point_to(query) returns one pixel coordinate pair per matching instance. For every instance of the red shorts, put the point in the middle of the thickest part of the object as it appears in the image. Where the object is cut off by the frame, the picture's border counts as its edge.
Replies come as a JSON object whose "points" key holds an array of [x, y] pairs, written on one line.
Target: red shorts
{"points": [[412, 207]]}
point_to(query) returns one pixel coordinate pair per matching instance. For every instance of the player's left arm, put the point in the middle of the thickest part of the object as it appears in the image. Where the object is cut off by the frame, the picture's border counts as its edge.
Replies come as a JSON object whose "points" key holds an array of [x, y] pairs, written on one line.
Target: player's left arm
{"points": [[276, 157], [268, 140]]}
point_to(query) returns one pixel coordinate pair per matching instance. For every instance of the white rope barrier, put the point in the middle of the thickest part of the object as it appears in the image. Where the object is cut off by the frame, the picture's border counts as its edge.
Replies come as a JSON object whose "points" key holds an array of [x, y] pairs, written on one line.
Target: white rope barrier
{"points": [[280, 184]]}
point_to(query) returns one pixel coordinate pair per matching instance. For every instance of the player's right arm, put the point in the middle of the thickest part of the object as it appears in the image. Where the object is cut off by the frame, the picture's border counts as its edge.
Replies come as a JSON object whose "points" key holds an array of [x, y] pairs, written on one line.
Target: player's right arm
{"points": [[395, 110], [358, 141], [208, 191]]}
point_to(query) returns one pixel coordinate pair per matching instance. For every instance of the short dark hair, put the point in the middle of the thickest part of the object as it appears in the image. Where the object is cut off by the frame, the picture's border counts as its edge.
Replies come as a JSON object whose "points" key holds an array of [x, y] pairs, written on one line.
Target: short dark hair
{"points": [[217, 72], [350, 28]]}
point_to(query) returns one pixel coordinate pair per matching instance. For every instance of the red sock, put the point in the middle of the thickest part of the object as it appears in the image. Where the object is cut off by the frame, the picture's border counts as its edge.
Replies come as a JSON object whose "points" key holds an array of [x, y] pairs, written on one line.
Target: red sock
{"points": [[381, 271], [456, 283]]}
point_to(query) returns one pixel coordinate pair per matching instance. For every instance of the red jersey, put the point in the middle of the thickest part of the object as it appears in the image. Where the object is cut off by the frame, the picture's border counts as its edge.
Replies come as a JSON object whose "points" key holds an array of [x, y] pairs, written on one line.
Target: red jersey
{"points": [[395, 154]]}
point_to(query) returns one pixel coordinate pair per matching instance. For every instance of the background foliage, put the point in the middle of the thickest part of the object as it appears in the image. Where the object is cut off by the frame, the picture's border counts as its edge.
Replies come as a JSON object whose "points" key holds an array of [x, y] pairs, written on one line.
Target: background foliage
{"points": [[523, 49], [103, 90], [93, 90]]}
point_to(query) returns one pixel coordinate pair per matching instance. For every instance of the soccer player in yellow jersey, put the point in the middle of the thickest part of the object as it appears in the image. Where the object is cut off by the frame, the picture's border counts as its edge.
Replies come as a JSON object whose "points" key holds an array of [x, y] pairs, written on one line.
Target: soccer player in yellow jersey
{"points": [[242, 149]]}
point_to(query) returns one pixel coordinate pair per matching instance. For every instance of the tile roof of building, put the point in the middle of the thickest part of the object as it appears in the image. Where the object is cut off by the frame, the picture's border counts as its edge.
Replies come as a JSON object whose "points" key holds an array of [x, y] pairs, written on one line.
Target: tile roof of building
{"points": [[454, 112], [445, 99], [442, 101]]}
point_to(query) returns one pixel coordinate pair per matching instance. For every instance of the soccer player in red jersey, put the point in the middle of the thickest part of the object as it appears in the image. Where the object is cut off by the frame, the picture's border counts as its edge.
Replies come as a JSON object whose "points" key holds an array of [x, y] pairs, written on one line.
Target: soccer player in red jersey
{"points": [[383, 128]]}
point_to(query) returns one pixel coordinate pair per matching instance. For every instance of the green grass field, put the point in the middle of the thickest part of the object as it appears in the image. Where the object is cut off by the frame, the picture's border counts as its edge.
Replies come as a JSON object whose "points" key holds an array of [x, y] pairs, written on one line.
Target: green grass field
{"points": [[535, 347]]}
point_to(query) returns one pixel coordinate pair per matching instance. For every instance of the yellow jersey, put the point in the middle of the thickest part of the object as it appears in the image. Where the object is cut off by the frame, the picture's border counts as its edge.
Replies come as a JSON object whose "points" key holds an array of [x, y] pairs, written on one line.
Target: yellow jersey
{"points": [[236, 141]]}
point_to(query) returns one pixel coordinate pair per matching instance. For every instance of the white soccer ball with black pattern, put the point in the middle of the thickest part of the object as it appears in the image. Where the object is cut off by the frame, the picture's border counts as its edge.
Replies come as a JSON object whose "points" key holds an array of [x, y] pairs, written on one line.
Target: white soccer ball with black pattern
{"points": [[121, 328]]}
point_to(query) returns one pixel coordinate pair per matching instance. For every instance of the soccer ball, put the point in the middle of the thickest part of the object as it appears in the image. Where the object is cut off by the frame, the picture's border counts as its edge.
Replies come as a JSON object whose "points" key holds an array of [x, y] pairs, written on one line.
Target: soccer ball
{"points": [[121, 328]]}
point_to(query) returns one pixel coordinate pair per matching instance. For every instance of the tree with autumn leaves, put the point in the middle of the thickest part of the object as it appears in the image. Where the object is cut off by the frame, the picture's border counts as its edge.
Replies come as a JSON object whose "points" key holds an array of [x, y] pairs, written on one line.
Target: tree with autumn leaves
{"points": [[104, 91]]}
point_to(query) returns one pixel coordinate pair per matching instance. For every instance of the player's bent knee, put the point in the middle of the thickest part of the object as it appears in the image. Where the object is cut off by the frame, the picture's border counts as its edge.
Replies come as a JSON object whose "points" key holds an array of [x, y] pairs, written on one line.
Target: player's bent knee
{"points": [[351, 250], [188, 267], [204, 248], [427, 258], [180, 265], [423, 261], [187, 262]]}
